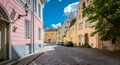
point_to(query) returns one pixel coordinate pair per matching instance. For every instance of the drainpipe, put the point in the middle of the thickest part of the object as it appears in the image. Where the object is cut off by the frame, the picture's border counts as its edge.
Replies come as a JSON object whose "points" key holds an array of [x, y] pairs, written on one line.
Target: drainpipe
{"points": [[33, 26]]}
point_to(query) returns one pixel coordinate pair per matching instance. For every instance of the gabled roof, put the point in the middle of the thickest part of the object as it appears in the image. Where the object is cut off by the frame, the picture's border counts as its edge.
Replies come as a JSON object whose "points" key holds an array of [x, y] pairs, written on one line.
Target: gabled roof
{"points": [[72, 22]]}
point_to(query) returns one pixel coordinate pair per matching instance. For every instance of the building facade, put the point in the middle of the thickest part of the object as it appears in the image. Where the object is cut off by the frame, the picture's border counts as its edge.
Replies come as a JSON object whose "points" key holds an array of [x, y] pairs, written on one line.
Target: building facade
{"points": [[59, 36], [21, 28], [50, 35], [84, 30], [72, 33], [65, 27]]}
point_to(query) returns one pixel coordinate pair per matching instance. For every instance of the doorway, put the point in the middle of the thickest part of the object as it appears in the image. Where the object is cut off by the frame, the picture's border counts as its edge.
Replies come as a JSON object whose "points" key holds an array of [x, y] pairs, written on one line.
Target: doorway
{"points": [[86, 39], [4, 43]]}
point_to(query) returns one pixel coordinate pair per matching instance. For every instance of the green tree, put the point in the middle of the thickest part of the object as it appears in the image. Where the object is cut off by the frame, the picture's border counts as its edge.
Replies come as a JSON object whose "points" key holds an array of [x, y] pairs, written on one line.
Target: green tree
{"points": [[106, 14]]}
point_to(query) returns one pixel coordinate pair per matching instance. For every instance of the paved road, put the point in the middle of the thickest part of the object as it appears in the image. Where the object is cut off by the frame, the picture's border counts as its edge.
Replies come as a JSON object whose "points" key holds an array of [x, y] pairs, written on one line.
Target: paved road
{"points": [[60, 55]]}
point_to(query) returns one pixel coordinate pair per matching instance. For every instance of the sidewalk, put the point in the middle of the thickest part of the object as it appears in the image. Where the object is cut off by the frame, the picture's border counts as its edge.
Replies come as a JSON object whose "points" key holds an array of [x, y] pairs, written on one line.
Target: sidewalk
{"points": [[28, 59]]}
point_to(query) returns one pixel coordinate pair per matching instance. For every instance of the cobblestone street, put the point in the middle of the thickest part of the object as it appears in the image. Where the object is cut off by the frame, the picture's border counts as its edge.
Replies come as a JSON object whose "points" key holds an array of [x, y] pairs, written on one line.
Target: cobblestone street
{"points": [[60, 55]]}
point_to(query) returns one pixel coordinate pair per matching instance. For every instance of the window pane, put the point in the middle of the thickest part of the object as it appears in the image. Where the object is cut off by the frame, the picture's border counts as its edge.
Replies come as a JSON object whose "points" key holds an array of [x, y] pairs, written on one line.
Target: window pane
{"points": [[39, 10], [27, 24], [39, 34]]}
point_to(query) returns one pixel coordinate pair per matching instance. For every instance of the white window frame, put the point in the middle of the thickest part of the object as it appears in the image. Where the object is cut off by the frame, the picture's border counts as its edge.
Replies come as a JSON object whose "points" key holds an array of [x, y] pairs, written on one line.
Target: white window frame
{"points": [[27, 29]]}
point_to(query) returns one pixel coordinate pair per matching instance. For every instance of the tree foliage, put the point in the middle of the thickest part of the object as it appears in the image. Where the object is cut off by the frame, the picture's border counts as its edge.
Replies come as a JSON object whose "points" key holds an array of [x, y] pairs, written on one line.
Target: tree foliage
{"points": [[106, 14]]}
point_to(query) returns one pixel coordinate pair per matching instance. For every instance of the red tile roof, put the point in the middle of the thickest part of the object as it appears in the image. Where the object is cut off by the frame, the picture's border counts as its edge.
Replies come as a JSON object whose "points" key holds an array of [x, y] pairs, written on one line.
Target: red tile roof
{"points": [[51, 29]]}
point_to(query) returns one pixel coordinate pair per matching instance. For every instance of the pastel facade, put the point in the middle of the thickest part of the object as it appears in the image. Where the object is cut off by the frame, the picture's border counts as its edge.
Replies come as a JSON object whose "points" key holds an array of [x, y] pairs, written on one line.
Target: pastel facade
{"points": [[84, 29], [51, 35], [72, 33], [20, 34], [65, 27], [59, 36]]}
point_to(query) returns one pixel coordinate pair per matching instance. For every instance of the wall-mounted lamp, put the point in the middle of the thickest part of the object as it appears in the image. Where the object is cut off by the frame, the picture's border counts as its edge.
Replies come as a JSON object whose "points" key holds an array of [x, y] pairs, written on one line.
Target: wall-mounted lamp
{"points": [[26, 10]]}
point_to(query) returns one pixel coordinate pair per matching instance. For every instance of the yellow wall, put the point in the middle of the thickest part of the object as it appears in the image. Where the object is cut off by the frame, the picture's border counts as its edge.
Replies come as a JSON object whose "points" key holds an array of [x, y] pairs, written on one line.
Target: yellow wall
{"points": [[51, 35]]}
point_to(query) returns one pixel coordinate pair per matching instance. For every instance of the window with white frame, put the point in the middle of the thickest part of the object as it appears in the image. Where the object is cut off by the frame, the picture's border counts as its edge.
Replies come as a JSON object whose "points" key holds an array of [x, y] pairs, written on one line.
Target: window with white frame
{"points": [[80, 38], [39, 31], [80, 26], [39, 10], [27, 29], [28, 48], [87, 24], [35, 6]]}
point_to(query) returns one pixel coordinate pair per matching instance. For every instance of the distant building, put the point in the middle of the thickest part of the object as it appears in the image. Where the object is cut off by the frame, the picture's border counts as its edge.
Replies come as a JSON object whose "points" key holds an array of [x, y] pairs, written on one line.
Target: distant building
{"points": [[59, 36], [72, 33], [65, 27], [50, 35], [21, 28]]}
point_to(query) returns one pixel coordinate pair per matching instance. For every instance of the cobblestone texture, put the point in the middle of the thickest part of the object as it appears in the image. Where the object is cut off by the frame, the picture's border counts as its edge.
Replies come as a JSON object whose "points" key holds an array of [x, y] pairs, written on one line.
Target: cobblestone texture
{"points": [[60, 55]]}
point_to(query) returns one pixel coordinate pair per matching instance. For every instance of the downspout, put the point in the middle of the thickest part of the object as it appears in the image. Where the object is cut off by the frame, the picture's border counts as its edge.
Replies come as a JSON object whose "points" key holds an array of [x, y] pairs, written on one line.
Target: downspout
{"points": [[33, 26]]}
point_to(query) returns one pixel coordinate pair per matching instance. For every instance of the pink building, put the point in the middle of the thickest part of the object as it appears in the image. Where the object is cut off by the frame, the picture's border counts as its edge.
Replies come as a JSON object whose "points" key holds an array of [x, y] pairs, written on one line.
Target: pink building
{"points": [[21, 28]]}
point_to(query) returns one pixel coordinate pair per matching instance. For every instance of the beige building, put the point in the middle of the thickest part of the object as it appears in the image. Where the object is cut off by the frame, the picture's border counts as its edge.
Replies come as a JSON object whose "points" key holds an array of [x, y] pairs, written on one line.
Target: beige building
{"points": [[84, 30]]}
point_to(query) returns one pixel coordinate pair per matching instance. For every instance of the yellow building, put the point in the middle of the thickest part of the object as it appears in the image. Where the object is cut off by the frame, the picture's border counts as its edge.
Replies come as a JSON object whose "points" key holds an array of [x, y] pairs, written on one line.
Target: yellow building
{"points": [[71, 33], [50, 35]]}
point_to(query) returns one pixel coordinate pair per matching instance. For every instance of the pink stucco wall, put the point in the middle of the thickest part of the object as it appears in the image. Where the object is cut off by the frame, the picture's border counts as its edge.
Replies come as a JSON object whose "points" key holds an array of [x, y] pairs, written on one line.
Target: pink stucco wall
{"points": [[18, 37]]}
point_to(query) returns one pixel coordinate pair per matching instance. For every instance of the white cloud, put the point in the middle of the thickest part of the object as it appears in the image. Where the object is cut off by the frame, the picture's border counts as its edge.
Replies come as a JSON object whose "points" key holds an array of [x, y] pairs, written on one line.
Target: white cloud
{"points": [[56, 25], [47, 1], [71, 8], [60, 0]]}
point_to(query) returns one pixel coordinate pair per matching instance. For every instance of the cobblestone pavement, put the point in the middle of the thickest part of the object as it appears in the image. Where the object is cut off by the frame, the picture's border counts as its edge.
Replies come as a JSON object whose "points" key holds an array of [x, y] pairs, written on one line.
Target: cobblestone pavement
{"points": [[60, 55]]}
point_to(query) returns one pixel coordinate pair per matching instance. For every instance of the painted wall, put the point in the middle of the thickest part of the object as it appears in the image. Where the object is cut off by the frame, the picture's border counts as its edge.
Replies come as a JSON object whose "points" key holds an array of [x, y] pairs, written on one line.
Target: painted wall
{"points": [[17, 38], [52, 35]]}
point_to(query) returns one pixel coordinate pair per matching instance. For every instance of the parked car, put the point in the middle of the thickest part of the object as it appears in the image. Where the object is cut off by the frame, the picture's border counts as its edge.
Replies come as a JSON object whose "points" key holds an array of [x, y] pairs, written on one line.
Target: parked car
{"points": [[69, 44], [60, 43]]}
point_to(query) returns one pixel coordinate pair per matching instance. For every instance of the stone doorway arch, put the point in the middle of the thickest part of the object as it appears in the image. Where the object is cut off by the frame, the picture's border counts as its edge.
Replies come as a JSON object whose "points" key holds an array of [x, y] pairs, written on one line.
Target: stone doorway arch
{"points": [[4, 34]]}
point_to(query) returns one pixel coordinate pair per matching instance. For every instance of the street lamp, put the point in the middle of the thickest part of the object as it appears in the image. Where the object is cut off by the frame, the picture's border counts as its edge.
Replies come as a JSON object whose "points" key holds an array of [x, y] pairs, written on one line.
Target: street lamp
{"points": [[26, 10]]}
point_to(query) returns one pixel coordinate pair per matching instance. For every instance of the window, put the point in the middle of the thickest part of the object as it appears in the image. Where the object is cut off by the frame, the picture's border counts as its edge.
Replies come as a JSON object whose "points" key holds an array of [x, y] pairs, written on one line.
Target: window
{"points": [[27, 29], [80, 38], [39, 33], [35, 6], [80, 26], [28, 48], [39, 10], [87, 24], [72, 31], [29, 2], [83, 14], [83, 5]]}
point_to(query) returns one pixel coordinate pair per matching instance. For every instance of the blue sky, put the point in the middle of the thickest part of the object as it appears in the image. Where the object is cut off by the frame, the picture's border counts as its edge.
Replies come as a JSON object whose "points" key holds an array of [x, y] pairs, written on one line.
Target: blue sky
{"points": [[56, 11]]}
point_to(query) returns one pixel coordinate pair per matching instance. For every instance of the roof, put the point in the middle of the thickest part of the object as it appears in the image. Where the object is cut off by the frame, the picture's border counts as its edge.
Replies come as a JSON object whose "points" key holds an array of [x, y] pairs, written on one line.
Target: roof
{"points": [[51, 29], [73, 22]]}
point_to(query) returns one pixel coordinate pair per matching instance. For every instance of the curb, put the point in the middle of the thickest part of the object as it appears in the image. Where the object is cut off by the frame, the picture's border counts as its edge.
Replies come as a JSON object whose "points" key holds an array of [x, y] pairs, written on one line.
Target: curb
{"points": [[27, 60]]}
